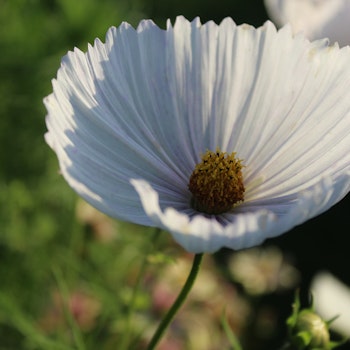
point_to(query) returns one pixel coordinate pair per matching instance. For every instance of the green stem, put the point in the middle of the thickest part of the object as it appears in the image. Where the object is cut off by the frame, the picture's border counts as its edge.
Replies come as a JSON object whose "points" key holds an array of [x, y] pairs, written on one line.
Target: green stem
{"points": [[178, 302], [63, 289], [233, 340]]}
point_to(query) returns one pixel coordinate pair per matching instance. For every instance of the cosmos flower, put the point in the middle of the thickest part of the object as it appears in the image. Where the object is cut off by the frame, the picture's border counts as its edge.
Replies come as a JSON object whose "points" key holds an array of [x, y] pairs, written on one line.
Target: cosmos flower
{"points": [[332, 301], [316, 18], [263, 270], [223, 135]]}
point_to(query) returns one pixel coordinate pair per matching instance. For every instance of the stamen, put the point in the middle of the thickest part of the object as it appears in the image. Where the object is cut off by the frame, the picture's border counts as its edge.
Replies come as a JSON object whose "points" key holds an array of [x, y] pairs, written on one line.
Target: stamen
{"points": [[217, 183]]}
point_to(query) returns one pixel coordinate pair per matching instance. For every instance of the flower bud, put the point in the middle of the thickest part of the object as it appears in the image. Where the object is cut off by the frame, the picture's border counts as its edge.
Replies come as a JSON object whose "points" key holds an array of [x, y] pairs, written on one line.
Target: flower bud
{"points": [[312, 328]]}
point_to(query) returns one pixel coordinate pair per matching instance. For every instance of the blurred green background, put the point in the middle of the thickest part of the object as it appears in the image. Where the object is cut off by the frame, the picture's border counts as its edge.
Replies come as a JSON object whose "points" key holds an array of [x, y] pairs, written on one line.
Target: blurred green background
{"points": [[67, 274]]}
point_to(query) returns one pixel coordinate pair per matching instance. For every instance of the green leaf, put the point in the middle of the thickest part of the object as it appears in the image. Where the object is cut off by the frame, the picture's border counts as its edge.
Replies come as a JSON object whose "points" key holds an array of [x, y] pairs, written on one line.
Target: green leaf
{"points": [[302, 339]]}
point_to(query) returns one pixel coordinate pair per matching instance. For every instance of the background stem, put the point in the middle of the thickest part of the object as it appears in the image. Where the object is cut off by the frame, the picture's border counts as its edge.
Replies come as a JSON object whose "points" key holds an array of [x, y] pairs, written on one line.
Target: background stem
{"points": [[178, 302]]}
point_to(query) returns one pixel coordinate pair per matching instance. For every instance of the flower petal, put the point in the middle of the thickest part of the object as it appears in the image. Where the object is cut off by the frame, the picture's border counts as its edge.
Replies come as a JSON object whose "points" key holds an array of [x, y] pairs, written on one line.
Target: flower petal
{"points": [[316, 18], [332, 299], [246, 226], [130, 118]]}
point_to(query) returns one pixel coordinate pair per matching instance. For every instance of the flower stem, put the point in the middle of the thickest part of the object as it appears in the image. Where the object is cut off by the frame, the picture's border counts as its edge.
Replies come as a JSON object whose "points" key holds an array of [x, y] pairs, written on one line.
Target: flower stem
{"points": [[178, 302], [64, 292]]}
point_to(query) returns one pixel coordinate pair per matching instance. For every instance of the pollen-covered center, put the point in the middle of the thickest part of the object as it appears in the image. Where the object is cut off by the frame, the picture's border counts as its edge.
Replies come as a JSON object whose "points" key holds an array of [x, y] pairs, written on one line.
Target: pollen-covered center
{"points": [[217, 183]]}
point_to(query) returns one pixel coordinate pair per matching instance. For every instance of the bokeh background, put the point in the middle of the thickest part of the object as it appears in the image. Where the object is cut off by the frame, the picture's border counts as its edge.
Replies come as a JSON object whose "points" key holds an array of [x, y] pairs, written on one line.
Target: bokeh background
{"points": [[68, 273]]}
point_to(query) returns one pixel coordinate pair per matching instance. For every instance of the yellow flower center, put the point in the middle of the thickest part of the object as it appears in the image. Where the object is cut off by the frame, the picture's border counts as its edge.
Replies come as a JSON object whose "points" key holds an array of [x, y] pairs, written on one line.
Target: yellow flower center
{"points": [[216, 183]]}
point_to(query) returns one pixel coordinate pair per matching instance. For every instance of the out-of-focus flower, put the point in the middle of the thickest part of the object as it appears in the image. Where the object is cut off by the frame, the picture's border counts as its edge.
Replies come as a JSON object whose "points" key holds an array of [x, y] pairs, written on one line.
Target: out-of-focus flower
{"points": [[316, 18], [332, 298], [224, 135], [83, 307], [263, 270]]}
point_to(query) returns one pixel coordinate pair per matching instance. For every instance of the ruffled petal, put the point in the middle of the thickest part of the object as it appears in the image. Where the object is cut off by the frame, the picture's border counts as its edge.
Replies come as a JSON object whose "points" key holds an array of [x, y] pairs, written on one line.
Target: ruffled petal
{"points": [[248, 225], [130, 118], [107, 121]]}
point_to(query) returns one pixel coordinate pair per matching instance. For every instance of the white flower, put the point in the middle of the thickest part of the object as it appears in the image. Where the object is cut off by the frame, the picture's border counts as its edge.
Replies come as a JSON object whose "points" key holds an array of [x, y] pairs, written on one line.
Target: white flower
{"points": [[130, 119], [316, 18], [332, 299], [262, 270]]}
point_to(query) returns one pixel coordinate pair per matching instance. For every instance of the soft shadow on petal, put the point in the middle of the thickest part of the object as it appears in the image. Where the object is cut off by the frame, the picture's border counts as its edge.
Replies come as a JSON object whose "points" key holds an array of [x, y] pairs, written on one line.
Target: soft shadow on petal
{"points": [[297, 126], [97, 125]]}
